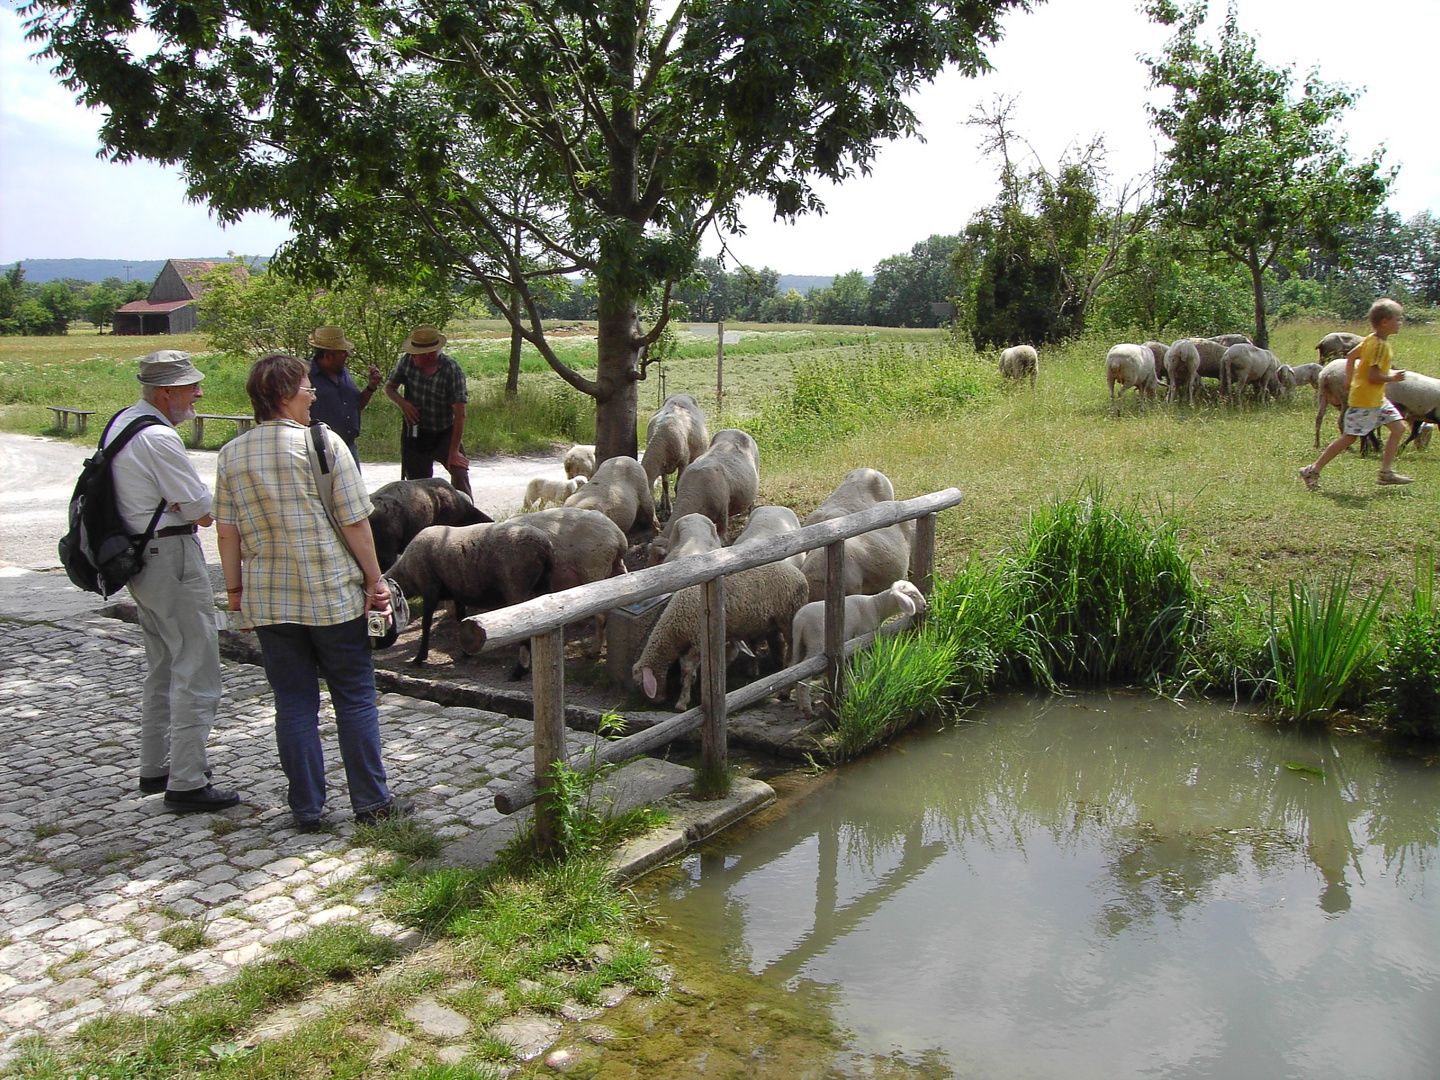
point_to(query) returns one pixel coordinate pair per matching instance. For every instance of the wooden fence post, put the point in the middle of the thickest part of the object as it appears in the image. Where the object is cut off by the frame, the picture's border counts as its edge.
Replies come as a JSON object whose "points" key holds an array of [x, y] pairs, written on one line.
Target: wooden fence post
{"points": [[922, 565], [548, 683], [714, 779], [835, 624]]}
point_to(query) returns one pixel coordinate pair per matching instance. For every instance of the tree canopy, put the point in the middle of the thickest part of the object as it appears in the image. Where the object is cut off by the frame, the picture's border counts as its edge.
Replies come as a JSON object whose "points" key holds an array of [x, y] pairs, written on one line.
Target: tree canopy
{"points": [[1257, 175], [390, 134]]}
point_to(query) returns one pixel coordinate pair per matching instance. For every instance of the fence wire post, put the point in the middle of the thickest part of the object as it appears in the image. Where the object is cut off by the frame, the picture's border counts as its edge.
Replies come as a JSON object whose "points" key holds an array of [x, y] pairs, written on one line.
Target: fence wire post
{"points": [[548, 678], [835, 625], [714, 776]]}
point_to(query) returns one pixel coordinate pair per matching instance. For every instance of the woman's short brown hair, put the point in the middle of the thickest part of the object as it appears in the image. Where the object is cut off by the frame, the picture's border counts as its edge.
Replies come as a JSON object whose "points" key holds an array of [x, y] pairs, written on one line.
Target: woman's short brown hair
{"points": [[274, 380]]}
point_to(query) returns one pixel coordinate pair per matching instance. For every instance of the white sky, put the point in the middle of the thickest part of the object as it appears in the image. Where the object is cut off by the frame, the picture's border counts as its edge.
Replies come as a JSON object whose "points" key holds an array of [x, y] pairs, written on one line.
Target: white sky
{"points": [[1072, 63]]}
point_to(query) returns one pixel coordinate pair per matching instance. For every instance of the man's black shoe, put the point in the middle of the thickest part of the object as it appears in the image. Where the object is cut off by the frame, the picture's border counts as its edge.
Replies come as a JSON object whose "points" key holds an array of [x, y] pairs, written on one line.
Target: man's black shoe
{"points": [[200, 800], [309, 825], [153, 785], [395, 808]]}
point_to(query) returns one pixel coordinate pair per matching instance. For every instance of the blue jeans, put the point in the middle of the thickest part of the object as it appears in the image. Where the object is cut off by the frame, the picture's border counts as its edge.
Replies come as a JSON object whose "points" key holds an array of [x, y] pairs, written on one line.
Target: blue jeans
{"points": [[296, 657]]}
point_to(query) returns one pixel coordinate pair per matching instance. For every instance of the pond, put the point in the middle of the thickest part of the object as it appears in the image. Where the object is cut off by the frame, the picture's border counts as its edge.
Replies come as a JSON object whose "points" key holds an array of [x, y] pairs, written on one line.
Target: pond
{"points": [[1098, 886]]}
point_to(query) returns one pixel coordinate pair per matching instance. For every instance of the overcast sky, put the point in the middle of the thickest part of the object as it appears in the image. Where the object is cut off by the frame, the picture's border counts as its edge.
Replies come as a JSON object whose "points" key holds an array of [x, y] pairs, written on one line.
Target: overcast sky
{"points": [[1072, 63]]}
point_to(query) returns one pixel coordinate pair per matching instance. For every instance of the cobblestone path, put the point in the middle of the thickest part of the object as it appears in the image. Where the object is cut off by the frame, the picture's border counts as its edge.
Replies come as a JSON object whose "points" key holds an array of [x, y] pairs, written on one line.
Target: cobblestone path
{"points": [[92, 872]]}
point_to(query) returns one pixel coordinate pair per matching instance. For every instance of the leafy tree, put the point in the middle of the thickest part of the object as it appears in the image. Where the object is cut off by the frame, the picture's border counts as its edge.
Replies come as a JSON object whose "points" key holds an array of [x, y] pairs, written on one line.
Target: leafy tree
{"points": [[60, 307], [1256, 174], [906, 285], [789, 308], [1423, 242], [374, 127], [845, 302], [714, 293], [99, 303]]}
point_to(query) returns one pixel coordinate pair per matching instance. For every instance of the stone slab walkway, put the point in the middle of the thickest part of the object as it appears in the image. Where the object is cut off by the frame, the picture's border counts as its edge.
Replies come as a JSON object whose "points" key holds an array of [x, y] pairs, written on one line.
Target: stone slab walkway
{"points": [[92, 873]]}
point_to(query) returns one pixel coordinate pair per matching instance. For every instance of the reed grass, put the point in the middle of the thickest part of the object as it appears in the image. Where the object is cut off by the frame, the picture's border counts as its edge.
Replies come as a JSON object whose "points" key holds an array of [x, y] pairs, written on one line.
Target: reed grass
{"points": [[890, 686], [1409, 677]]}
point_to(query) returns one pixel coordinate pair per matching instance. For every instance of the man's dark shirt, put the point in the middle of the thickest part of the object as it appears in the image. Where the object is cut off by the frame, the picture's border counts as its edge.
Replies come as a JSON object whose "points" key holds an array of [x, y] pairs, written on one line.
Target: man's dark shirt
{"points": [[337, 403]]}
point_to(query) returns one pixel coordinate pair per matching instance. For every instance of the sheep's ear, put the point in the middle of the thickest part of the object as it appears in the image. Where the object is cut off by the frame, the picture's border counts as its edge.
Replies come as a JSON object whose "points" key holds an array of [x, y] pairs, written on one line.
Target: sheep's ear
{"points": [[907, 605], [647, 683], [744, 649]]}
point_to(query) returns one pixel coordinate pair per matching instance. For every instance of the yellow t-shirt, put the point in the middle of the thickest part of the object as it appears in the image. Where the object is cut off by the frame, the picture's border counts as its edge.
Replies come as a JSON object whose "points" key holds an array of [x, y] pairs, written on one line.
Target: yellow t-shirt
{"points": [[1374, 352]]}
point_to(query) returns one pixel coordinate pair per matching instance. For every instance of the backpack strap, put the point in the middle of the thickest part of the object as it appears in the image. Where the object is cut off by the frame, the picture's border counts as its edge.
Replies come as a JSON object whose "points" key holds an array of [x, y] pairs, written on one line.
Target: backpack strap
{"points": [[139, 424]]}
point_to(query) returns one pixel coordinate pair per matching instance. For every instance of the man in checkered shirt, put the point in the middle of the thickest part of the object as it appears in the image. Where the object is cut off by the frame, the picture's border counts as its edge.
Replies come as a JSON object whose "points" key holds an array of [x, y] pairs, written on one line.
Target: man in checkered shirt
{"points": [[433, 406]]}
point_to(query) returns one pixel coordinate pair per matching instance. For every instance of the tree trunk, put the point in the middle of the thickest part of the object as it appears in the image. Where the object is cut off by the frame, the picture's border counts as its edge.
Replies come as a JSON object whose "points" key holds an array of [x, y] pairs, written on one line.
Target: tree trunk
{"points": [[512, 381], [1257, 280], [618, 403]]}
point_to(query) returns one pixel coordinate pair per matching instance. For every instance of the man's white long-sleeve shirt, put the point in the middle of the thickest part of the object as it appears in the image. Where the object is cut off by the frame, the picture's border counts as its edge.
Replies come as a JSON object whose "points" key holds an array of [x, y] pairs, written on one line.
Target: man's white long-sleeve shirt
{"points": [[153, 466]]}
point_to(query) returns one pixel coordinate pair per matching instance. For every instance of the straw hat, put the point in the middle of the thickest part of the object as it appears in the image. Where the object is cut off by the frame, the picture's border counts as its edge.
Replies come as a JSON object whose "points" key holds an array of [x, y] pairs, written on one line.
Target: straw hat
{"points": [[331, 339], [168, 367], [423, 339]]}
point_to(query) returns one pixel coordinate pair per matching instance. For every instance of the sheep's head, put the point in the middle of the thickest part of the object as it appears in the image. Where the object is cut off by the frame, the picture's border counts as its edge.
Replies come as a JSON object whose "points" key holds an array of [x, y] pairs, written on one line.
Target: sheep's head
{"points": [[910, 598], [659, 548], [645, 679]]}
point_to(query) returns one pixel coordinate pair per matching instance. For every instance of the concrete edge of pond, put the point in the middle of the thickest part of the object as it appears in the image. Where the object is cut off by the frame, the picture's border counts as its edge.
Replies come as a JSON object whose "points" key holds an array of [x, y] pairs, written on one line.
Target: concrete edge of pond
{"points": [[690, 824]]}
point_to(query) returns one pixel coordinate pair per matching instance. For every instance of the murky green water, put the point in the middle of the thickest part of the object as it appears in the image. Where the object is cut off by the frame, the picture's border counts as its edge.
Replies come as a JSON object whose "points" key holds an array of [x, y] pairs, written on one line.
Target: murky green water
{"points": [[1103, 887]]}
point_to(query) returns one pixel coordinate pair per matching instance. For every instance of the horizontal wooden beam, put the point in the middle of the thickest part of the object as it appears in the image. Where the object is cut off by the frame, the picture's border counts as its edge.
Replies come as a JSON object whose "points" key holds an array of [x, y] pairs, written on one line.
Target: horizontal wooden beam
{"points": [[507, 626], [524, 792]]}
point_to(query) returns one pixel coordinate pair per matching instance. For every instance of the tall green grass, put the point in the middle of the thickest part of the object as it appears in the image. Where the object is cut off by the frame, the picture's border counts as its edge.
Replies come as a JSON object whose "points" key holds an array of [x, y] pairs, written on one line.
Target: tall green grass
{"points": [[888, 687], [1409, 676]]}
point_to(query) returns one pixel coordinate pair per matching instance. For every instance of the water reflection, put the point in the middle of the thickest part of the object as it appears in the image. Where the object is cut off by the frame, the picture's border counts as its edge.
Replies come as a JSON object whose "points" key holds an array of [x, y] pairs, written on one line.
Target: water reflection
{"points": [[1106, 880]]}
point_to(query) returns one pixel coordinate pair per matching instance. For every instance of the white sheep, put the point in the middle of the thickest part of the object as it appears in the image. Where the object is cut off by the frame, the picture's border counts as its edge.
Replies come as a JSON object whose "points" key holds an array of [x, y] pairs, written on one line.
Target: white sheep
{"points": [[1245, 364], [1231, 339], [1285, 376], [579, 460], [1130, 365], [620, 491], [1182, 369], [720, 483], [771, 521], [1418, 399], [1340, 343], [862, 615], [675, 437], [692, 534], [1020, 361], [760, 603], [1306, 374], [588, 547], [1211, 354], [1330, 389], [873, 559], [542, 490]]}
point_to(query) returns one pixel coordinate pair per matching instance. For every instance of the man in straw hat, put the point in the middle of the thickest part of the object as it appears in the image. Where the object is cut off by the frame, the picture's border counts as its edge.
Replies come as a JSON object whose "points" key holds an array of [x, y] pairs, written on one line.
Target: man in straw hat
{"points": [[434, 408], [173, 592], [338, 401]]}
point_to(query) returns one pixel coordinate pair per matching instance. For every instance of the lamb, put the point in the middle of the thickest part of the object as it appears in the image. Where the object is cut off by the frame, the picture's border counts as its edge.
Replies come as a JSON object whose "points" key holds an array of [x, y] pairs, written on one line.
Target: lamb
{"points": [[772, 521], [862, 615], [509, 562], [1337, 344], [1158, 349], [691, 535], [403, 508], [675, 437], [1018, 361], [620, 491], [1245, 364], [873, 559], [1306, 374], [721, 482], [1130, 365], [759, 603], [588, 547], [579, 460], [540, 490], [1182, 368], [1231, 339]]}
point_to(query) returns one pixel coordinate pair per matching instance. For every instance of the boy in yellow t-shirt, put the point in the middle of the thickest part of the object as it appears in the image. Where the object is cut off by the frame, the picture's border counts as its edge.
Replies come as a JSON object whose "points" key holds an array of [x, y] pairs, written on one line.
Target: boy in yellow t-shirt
{"points": [[1366, 372]]}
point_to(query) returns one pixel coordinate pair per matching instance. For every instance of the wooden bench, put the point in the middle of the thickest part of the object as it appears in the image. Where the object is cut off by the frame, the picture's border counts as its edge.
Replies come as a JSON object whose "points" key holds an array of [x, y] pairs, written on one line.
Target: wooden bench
{"points": [[197, 425], [63, 414]]}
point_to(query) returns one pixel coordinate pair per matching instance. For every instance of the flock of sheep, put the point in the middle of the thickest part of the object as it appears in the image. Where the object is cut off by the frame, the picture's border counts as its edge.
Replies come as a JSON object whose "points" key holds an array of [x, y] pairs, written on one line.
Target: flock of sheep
{"points": [[1234, 363], [435, 545]]}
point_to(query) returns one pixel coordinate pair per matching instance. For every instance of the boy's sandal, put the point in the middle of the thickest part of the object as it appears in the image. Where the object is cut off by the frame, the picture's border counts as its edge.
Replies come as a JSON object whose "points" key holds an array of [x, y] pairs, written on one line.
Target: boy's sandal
{"points": [[1311, 480], [1395, 478]]}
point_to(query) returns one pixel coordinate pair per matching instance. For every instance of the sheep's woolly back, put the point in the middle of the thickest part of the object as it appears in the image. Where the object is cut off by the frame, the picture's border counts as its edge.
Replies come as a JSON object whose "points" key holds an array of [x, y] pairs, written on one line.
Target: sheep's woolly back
{"points": [[620, 491], [675, 436]]}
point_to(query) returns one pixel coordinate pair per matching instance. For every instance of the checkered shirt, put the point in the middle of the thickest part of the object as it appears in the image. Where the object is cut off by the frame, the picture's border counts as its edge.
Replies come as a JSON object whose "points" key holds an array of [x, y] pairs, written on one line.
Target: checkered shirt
{"points": [[434, 395], [296, 568]]}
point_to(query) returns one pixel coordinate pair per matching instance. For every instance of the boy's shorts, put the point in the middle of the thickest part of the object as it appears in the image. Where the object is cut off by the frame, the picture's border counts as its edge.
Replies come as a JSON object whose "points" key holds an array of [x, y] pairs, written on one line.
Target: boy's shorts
{"points": [[1360, 421]]}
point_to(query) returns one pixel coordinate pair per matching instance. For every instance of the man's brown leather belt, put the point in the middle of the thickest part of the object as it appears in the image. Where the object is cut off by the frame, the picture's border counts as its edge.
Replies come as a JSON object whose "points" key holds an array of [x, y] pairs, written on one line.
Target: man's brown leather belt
{"points": [[177, 530]]}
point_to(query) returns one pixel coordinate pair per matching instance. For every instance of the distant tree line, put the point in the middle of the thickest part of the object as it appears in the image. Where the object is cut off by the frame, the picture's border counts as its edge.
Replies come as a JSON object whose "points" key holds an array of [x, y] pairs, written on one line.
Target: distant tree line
{"points": [[34, 308]]}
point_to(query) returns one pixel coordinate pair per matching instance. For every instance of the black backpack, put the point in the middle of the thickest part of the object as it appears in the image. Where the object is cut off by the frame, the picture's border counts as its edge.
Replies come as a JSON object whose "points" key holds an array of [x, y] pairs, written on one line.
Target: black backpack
{"points": [[98, 552]]}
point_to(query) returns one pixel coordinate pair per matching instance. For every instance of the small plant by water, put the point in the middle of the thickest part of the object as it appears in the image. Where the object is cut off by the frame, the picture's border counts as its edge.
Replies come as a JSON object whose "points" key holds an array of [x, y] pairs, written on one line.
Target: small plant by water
{"points": [[1409, 692]]}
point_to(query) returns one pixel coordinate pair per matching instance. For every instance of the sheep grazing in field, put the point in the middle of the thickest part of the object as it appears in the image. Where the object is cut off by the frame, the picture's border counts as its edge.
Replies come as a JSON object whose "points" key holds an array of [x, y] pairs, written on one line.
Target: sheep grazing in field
{"points": [[1158, 349], [1306, 374], [1249, 364], [1337, 344], [768, 521], [1418, 399], [403, 508], [487, 564], [1211, 355], [1231, 339], [872, 560], [1130, 365], [579, 460], [540, 491], [862, 615], [760, 603], [588, 547], [620, 491], [1019, 362], [1285, 377], [675, 437], [1182, 369], [720, 483], [692, 534], [1330, 389]]}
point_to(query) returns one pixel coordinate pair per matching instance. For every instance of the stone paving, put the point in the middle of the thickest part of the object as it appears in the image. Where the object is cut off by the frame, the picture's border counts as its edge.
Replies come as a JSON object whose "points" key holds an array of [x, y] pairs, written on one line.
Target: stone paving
{"points": [[92, 873]]}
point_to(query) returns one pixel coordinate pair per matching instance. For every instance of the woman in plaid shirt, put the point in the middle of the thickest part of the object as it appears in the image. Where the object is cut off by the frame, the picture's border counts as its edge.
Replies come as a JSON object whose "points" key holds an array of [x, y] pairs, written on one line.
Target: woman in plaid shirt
{"points": [[305, 589]]}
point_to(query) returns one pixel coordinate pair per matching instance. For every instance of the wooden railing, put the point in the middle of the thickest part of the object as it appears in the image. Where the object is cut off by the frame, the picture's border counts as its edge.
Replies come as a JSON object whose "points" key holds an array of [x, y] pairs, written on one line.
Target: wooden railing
{"points": [[542, 621]]}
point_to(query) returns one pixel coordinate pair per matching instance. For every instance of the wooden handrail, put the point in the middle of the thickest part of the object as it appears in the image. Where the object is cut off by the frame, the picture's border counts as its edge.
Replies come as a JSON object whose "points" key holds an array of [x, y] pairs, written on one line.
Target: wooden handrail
{"points": [[507, 626]]}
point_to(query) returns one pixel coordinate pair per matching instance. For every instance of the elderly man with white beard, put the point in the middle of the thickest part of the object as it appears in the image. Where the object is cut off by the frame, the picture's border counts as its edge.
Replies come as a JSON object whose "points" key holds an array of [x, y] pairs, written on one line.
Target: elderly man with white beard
{"points": [[153, 476]]}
